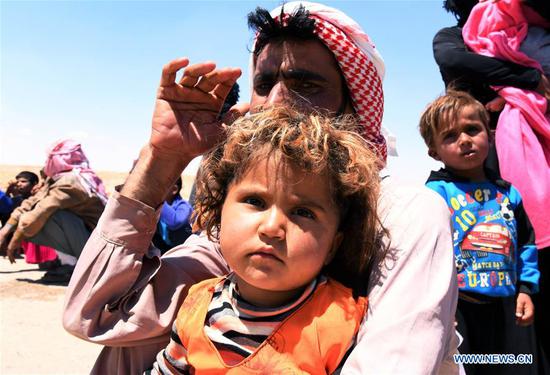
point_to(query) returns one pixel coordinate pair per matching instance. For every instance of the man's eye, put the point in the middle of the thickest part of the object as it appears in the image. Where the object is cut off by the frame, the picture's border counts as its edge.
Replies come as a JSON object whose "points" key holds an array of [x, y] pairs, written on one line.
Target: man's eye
{"points": [[304, 212], [253, 201], [302, 86], [263, 88]]}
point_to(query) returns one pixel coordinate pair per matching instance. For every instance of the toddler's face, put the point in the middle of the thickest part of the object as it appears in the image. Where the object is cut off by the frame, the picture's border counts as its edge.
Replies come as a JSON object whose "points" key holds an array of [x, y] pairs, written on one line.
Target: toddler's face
{"points": [[463, 147], [279, 226]]}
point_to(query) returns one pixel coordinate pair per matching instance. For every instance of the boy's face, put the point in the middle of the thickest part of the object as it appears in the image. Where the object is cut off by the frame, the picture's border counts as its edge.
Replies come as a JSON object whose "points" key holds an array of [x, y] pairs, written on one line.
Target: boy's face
{"points": [[463, 146], [279, 227]]}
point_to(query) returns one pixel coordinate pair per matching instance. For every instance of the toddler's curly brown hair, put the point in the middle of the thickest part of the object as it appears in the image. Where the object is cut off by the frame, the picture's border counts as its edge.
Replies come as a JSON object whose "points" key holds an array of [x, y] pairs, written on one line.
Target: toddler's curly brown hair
{"points": [[316, 144]]}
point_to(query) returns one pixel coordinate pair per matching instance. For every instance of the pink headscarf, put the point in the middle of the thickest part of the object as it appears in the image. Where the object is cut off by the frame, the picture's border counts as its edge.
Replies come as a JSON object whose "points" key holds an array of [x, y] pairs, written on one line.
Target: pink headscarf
{"points": [[359, 61], [66, 156]]}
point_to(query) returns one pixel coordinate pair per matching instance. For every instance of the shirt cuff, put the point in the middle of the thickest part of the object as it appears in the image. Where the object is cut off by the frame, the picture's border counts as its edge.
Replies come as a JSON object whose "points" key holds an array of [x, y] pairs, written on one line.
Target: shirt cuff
{"points": [[526, 288]]}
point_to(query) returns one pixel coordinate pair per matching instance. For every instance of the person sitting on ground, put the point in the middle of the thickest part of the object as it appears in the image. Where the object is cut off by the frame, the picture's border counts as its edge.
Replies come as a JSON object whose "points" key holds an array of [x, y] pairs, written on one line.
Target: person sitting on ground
{"points": [[63, 212], [18, 189], [123, 295], [174, 225], [291, 199], [494, 246]]}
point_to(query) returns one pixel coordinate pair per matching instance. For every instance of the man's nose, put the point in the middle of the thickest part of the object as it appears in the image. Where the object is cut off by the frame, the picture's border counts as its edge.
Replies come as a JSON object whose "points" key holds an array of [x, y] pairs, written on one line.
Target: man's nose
{"points": [[273, 224], [279, 94]]}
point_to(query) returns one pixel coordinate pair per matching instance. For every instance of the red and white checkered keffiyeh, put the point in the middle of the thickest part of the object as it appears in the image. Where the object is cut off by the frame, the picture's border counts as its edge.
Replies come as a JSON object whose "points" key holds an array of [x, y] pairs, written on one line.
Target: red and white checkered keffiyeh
{"points": [[360, 63]]}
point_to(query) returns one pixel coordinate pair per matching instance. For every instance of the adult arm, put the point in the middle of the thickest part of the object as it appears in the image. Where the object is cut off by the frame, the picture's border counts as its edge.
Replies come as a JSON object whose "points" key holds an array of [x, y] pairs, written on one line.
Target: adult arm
{"points": [[456, 62], [409, 328], [177, 214], [122, 293]]}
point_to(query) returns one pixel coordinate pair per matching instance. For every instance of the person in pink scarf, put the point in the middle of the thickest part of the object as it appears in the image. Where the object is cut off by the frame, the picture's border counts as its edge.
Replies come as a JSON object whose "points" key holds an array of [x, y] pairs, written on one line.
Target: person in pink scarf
{"points": [[313, 58], [511, 30], [62, 213]]}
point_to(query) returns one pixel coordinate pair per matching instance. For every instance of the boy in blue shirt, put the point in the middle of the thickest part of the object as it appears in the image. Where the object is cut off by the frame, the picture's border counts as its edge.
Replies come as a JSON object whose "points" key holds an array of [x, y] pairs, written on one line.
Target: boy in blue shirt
{"points": [[493, 239]]}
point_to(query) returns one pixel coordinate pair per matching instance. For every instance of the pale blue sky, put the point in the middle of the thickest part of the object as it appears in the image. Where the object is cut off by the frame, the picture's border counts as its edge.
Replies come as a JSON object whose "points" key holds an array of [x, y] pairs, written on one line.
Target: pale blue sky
{"points": [[89, 69]]}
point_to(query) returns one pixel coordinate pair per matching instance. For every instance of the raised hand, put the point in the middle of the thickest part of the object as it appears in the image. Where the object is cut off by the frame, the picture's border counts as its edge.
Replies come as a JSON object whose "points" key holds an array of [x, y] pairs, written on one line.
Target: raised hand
{"points": [[185, 125], [185, 120]]}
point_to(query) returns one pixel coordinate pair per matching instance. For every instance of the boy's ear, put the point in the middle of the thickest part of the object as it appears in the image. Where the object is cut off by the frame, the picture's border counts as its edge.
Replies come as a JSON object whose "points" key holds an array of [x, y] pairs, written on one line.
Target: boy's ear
{"points": [[433, 154], [335, 245]]}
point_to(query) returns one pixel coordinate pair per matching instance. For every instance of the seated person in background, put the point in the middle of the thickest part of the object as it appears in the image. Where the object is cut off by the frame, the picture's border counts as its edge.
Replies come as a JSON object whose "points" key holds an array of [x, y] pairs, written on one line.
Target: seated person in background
{"points": [[17, 191], [63, 212], [292, 200], [493, 240], [173, 227]]}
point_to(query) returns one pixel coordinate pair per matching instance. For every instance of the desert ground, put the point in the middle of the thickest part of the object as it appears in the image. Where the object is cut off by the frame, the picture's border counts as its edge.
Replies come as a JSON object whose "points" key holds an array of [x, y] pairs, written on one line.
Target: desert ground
{"points": [[32, 339]]}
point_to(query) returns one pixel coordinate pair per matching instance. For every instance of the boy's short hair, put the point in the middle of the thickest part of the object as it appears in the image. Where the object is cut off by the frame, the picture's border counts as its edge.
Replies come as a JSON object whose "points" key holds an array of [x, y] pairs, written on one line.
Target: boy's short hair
{"points": [[316, 144], [30, 176], [444, 111]]}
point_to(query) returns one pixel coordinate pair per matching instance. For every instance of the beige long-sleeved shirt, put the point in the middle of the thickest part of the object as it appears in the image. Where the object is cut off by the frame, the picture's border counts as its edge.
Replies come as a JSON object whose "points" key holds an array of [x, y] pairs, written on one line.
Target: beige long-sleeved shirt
{"points": [[123, 295]]}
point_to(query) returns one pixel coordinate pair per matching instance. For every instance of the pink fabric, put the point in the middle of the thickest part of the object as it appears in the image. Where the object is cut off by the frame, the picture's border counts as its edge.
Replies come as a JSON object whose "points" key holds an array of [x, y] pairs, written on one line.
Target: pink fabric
{"points": [[497, 29], [37, 253], [67, 156]]}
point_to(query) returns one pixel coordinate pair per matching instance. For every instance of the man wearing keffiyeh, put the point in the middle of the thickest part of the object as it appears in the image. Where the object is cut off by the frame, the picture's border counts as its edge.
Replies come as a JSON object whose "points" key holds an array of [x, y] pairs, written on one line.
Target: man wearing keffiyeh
{"points": [[313, 58]]}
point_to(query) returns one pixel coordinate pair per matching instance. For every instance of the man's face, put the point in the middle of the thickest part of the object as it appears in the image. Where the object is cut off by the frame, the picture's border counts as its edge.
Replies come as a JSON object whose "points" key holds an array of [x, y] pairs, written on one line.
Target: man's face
{"points": [[304, 74], [24, 186]]}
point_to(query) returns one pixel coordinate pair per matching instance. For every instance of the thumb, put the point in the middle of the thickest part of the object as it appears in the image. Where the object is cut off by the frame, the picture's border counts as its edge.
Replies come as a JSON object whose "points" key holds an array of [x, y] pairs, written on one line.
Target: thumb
{"points": [[238, 110]]}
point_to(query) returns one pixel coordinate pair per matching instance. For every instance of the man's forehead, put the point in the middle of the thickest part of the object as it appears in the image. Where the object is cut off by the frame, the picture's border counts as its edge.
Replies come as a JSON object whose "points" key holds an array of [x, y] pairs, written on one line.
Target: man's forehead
{"points": [[306, 55]]}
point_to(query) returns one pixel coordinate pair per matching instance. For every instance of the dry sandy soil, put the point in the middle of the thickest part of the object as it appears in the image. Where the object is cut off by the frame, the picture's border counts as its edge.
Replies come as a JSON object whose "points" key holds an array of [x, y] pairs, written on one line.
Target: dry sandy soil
{"points": [[32, 340]]}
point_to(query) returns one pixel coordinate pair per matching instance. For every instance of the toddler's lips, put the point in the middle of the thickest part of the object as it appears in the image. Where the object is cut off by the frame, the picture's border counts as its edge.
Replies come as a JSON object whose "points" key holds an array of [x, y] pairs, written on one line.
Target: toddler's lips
{"points": [[265, 254]]}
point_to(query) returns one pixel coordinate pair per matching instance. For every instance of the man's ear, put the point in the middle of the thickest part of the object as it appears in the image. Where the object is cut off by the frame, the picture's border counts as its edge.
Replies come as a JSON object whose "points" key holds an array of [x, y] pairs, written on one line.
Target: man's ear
{"points": [[335, 246], [433, 154]]}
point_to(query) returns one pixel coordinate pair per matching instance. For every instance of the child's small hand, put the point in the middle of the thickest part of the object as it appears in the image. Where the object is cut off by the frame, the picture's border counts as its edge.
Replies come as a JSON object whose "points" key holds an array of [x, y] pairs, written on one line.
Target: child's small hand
{"points": [[496, 105], [525, 310]]}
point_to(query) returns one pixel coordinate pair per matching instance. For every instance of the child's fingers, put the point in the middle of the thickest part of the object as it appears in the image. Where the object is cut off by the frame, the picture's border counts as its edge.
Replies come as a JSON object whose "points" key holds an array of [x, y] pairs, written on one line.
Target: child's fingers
{"points": [[520, 307], [528, 316]]}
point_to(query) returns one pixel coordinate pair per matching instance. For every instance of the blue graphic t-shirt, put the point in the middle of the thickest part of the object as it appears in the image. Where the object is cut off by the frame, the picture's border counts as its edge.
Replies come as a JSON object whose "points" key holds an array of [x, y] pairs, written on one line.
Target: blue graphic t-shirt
{"points": [[492, 237]]}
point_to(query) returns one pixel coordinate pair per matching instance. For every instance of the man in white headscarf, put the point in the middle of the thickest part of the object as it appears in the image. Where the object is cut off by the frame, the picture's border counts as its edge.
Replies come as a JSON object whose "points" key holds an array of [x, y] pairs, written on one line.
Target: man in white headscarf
{"points": [[314, 58]]}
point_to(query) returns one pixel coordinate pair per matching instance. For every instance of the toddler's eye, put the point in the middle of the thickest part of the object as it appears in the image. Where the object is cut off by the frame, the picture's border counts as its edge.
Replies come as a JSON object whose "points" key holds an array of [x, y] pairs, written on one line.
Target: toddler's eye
{"points": [[253, 201], [473, 130], [304, 212], [449, 136]]}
